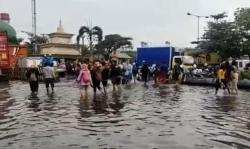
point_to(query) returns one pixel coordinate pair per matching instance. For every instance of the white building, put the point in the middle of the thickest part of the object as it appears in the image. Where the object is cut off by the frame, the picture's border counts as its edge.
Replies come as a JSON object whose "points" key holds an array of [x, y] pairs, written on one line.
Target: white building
{"points": [[60, 45]]}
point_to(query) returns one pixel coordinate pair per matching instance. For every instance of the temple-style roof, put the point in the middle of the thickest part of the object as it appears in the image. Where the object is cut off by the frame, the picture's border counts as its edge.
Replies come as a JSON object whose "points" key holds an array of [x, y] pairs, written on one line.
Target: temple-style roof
{"points": [[58, 51], [48, 45], [122, 55], [60, 32], [60, 45]]}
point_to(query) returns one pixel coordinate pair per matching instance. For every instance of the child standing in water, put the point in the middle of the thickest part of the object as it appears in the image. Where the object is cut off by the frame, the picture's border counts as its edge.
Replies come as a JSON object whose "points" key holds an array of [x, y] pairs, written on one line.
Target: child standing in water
{"points": [[84, 79]]}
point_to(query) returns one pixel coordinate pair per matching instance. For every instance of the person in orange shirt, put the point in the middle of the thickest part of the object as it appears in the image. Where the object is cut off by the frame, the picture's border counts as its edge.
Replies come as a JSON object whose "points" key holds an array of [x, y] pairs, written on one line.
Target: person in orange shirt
{"points": [[221, 81]]}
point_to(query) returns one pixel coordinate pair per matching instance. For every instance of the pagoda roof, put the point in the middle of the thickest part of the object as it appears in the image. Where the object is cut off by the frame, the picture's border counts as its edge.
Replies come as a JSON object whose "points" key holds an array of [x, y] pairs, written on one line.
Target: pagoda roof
{"points": [[47, 45], [58, 51], [59, 34]]}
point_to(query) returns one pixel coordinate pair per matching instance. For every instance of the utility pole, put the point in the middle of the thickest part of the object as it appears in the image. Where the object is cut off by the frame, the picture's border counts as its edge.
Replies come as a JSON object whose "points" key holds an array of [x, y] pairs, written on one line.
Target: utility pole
{"points": [[33, 8], [198, 18]]}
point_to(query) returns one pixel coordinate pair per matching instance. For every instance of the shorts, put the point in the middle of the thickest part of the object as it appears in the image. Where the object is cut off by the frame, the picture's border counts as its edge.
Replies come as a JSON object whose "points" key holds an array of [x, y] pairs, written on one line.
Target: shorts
{"points": [[116, 80], [49, 82]]}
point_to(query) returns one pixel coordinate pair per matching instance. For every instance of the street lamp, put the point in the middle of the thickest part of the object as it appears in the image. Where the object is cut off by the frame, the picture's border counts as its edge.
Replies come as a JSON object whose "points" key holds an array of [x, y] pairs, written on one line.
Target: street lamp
{"points": [[198, 17]]}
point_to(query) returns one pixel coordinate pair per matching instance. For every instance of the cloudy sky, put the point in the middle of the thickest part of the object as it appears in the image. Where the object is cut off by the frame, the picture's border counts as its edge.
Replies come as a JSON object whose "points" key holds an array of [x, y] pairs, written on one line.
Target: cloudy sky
{"points": [[153, 21]]}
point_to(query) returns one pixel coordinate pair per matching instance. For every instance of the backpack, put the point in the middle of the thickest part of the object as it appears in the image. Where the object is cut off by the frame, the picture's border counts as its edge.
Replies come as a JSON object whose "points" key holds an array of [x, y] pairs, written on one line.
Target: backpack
{"points": [[85, 76], [33, 76]]}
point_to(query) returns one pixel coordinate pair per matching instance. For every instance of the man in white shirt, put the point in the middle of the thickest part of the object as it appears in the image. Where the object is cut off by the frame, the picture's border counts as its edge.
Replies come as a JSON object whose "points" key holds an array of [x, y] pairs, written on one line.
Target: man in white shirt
{"points": [[49, 76]]}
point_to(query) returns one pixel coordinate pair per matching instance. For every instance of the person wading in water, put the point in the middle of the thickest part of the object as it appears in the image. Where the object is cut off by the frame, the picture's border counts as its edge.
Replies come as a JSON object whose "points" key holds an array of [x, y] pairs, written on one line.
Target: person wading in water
{"points": [[96, 75], [33, 77], [221, 81], [116, 75], [105, 76], [49, 76], [145, 72], [84, 80]]}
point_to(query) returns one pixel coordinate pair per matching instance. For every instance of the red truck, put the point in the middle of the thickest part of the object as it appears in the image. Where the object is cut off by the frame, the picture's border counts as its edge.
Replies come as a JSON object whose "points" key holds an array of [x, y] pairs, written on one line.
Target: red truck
{"points": [[9, 55]]}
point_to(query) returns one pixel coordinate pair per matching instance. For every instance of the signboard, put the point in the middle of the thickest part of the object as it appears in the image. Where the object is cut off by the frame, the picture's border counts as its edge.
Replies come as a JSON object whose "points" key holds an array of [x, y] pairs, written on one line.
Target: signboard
{"points": [[4, 51]]}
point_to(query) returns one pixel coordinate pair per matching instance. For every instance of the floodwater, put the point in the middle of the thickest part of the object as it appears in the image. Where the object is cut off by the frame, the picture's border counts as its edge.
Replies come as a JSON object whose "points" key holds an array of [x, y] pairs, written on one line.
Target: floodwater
{"points": [[164, 117]]}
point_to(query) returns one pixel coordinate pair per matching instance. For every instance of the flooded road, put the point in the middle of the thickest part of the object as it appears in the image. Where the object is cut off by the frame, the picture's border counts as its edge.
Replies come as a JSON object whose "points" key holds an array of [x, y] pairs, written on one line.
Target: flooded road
{"points": [[167, 116]]}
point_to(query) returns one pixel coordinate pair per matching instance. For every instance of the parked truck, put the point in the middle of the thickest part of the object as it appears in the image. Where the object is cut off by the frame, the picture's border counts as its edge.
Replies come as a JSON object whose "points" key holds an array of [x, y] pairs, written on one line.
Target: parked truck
{"points": [[10, 54], [162, 55]]}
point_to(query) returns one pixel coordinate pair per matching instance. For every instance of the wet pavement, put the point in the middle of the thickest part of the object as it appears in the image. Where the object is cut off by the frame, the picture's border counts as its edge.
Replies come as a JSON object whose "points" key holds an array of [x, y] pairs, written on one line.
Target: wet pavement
{"points": [[164, 117]]}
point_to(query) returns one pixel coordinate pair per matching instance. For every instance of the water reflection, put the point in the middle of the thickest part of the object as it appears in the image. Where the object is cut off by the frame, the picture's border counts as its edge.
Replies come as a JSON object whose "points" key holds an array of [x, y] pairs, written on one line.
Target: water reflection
{"points": [[227, 103], [100, 104], [116, 103], [34, 102], [163, 116], [84, 107], [5, 100]]}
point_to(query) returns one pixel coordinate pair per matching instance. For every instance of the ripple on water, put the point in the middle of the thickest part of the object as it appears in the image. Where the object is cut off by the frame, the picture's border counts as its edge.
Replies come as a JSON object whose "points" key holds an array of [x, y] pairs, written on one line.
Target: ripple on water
{"points": [[158, 116]]}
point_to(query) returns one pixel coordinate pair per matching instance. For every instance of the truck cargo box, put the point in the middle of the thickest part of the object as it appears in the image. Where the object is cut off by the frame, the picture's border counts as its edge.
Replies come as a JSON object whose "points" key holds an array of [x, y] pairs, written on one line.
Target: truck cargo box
{"points": [[156, 55]]}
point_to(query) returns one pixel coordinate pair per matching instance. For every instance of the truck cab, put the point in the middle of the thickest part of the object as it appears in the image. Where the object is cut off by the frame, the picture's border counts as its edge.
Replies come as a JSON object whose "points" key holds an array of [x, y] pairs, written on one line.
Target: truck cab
{"points": [[186, 61]]}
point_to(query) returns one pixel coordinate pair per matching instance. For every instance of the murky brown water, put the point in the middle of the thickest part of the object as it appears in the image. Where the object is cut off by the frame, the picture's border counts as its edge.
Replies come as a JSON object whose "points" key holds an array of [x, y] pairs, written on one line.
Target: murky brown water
{"points": [[170, 116]]}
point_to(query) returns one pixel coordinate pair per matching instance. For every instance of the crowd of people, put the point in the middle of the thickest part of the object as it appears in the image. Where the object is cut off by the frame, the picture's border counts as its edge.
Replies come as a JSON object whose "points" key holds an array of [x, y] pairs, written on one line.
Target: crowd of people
{"points": [[95, 75], [98, 74]]}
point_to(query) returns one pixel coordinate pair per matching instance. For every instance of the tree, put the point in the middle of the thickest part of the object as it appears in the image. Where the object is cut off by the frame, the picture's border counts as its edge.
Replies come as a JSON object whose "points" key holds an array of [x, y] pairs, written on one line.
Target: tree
{"points": [[219, 16], [222, 37], [113, 42], [92, 34], [38, 39], [242, 20]]}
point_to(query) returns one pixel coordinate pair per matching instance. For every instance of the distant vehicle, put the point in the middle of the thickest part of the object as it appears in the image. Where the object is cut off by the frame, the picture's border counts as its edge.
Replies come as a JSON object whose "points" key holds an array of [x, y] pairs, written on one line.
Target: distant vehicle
{"points": [[186, 61], [247, 66], [28, 62], [242, 64]]}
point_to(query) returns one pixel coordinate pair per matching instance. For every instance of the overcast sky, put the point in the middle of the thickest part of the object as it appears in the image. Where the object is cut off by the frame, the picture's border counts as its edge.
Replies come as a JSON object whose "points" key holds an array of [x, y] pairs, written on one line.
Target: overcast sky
{"points": [[153, 21]]}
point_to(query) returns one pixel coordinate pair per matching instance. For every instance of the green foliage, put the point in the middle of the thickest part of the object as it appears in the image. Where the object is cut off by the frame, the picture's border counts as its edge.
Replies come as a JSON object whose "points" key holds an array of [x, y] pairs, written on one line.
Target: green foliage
{"points": [[92, 34], [242, 19], [219, 16], [38, 39], [223, 37], [112, 43], [245, 75]]}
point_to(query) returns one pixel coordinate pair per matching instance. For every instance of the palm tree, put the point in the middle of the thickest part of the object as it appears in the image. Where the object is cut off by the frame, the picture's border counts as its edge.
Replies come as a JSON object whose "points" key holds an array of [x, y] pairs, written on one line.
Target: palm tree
{"points": [[112, 43], [92, 34]]}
